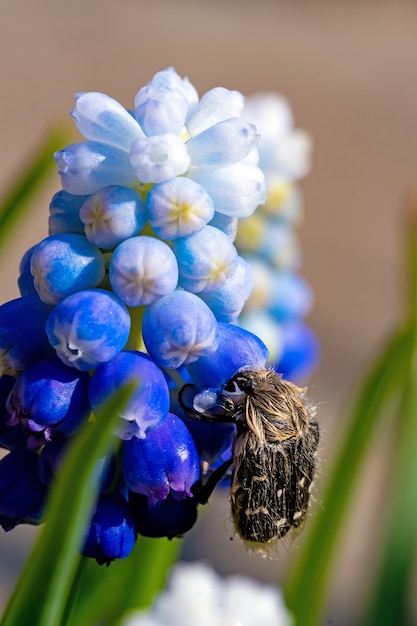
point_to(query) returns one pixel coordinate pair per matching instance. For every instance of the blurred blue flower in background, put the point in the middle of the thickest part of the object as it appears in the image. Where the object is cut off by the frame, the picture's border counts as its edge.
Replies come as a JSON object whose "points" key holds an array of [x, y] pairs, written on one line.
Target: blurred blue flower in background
{"points": [[281, 298]]}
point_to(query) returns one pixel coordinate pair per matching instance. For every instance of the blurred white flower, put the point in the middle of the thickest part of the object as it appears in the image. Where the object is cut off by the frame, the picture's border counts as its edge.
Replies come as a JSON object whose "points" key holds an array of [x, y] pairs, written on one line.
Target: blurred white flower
{"points": [[197, 596], [285, 151]]}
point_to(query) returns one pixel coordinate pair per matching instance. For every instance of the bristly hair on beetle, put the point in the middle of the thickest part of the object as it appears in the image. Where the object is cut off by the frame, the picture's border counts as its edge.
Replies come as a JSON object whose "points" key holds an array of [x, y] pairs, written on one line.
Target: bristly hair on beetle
{"points": [[274, 452]]}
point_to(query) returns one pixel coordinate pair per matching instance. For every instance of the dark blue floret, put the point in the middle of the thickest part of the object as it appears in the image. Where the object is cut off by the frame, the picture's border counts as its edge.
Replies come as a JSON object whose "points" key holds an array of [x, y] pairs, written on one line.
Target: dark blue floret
{"points": [[237, 348], [169, 518], [165, 462], [22, 494], [49, 396], [25, 280], [23, 339], [149, 403], [111, 534], [64, 213]]}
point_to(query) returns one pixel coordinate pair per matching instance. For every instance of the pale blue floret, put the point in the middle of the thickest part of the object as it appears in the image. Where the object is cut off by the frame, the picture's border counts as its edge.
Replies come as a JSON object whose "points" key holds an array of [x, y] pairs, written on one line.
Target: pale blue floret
{"points": [[205, 259], [215, 105], [149, 403], [143, 269], [87, 166], [113, 214], [158, 158], [102, 119], [228, 301], [178, 207], [236, 189], [169, 79], [224, 143], [161, 110], [63, 264], [88, 328], [178, 329]]}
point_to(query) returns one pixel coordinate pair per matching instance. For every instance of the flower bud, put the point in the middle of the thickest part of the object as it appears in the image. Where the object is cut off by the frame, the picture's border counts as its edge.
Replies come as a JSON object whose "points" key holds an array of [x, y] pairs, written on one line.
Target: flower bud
{"points": [[168, 518], [158, 158], [165, 462], [178, 208], [206, 259], [160, 110], [111, 534], [87, 166], [88, 328], [149, 403], [64, 264], [143, 269], [178, 329], [112, 214], [101, 118], [49, 397]]}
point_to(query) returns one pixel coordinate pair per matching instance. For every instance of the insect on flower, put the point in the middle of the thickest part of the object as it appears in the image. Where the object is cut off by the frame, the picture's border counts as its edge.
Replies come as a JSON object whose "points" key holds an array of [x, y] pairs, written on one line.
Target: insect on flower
{"points": [[273, 456]]}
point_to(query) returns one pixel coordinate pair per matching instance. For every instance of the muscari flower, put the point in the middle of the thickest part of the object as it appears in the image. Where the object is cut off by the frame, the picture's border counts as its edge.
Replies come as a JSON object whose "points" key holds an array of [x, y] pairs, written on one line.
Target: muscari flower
{"points": [[140, 257]]}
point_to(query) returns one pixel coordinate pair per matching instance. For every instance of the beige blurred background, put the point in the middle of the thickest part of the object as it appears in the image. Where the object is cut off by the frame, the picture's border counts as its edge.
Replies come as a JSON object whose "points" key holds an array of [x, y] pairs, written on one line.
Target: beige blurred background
{"points": [[349, 70]]}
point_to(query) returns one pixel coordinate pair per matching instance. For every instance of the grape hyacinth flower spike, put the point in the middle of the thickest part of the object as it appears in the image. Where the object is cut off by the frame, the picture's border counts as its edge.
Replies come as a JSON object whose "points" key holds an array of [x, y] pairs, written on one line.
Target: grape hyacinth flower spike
{"points": [[138, 282]]}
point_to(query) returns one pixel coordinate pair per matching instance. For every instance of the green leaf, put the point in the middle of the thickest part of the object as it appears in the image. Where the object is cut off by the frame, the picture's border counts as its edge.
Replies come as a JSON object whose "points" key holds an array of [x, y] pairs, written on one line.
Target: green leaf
{"points": [[108, 593], [306, 585], [34, 175], [44, 587], [390, 600]]}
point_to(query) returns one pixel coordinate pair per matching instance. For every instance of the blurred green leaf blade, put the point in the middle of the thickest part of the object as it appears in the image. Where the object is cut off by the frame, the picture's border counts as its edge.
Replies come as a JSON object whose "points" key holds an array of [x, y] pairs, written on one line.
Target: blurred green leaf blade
{"points": [[44, 587], [108, 593], [23, 190], [390, 600]]}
